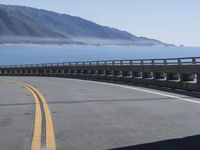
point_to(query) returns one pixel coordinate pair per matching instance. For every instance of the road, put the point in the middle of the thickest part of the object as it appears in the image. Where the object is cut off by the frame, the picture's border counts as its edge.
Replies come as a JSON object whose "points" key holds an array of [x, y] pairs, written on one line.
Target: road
{"points": [[88, 115]]}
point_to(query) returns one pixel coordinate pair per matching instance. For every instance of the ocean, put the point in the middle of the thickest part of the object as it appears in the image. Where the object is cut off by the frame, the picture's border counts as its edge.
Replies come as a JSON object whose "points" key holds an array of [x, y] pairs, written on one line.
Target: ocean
{"points": [[34, 54]]}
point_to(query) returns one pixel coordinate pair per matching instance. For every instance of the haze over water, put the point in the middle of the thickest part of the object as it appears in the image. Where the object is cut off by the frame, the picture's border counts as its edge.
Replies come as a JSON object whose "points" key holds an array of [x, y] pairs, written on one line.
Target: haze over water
{"points": [[53, 54]]}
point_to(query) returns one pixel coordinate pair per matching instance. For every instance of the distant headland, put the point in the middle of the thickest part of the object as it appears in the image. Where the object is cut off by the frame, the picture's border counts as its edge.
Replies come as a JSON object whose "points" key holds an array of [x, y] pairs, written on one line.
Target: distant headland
{"points": [[25, 25]]}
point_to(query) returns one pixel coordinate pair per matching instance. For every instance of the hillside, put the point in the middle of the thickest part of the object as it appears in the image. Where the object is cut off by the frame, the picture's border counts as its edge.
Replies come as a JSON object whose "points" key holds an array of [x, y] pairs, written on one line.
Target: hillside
{"points": [[19, 24]]}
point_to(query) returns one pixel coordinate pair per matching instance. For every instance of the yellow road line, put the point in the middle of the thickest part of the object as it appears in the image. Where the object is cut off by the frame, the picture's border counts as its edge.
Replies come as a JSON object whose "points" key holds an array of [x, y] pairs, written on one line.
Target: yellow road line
{"points": [[50, 137], [36, 140]]}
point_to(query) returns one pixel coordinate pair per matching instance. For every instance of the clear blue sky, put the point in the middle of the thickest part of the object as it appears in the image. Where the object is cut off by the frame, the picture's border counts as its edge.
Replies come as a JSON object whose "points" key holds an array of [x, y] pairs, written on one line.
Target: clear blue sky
{"points": [[172, 21]]}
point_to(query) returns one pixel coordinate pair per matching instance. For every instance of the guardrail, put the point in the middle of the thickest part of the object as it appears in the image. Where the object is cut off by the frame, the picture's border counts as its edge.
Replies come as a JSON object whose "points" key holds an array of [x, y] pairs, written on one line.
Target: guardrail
{"points": [[128, 62], [180, 73]]}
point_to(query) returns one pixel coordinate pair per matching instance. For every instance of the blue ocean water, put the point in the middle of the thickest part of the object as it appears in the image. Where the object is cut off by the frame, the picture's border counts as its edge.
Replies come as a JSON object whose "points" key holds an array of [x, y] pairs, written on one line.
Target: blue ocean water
{"points": [[52, 54]]}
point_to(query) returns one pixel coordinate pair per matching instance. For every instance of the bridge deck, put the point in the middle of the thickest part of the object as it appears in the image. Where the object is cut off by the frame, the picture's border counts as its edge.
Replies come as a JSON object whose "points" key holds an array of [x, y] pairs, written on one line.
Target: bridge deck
{"points": [[91, 115]]}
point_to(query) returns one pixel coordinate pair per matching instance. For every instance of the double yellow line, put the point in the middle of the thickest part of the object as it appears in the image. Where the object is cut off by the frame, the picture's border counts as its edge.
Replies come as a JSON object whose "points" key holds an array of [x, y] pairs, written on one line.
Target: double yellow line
{"points": [[40, 103]]}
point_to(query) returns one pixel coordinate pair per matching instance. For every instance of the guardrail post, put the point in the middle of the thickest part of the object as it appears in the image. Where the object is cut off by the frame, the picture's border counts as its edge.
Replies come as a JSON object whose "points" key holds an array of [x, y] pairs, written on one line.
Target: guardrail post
{"points": [[179, 61], [121, 62], [194, 61], [153, 62], [165, 62], [181, 77], [168, 76], [142, 62], [131, 62], [113, 62], [154, 75]]}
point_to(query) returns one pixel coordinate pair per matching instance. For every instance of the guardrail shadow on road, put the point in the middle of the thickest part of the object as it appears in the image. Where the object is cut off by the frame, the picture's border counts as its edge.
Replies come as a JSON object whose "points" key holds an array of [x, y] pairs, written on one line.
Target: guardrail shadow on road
{"points": [[186, 143]]}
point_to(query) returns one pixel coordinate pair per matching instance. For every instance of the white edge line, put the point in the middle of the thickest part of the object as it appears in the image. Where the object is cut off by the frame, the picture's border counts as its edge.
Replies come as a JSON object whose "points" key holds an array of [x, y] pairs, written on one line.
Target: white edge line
{"points": [[138, 89], [144, 90]]}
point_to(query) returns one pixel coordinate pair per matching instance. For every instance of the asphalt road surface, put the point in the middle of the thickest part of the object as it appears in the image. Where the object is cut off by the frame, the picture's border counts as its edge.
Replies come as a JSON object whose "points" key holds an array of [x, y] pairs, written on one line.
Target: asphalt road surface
{"points": [[88, 115]]}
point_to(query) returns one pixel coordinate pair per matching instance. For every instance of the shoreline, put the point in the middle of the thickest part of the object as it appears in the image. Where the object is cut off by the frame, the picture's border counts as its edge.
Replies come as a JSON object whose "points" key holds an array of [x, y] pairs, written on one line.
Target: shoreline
{"points": [[97, 45]]}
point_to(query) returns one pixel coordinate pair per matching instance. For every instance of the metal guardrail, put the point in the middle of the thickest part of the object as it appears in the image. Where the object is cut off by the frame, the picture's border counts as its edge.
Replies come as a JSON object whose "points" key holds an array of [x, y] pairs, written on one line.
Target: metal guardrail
{"points": [[128, 62]]}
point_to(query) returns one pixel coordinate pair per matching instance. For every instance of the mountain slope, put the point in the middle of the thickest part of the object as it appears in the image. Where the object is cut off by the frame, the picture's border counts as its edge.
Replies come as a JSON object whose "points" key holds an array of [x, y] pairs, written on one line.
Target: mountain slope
{"points": [[19, 24]]}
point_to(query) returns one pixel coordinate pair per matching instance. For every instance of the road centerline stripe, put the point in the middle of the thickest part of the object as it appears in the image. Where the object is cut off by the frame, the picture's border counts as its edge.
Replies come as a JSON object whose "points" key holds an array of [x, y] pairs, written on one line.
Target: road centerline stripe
{"points": [[37, 131], [50, 137], [41, 108], [36, 140], [43, 134]]}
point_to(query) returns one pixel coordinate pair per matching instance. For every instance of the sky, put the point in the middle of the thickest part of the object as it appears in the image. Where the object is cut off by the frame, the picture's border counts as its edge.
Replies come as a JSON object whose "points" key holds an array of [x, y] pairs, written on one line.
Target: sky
{"points": [[171, 21]]}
